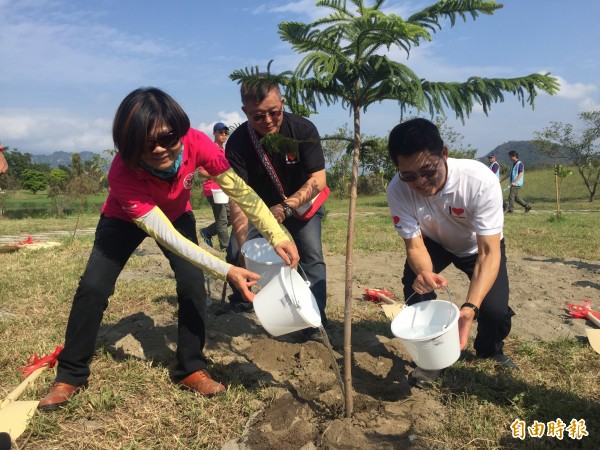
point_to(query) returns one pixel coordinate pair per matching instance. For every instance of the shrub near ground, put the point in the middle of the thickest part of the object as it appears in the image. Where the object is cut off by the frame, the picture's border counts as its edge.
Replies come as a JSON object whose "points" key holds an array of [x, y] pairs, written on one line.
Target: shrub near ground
{"points": [[132, 403]]}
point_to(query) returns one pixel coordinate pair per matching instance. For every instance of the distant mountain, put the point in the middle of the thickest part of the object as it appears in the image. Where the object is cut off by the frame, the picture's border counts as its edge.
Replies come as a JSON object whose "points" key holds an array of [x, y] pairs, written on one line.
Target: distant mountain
{"points": [[528, 153], [59, 158]]}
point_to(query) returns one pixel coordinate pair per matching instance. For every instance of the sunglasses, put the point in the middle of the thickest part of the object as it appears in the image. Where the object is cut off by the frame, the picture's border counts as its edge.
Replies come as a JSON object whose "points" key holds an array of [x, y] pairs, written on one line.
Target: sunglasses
{"points": [[168, 140], [427, 173], [272, 114]]}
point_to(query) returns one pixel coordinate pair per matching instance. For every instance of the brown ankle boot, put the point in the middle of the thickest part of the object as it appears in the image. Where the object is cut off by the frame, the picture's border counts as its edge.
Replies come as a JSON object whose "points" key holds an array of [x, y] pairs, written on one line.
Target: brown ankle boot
{"points": [[202, 383], [59, 396]]}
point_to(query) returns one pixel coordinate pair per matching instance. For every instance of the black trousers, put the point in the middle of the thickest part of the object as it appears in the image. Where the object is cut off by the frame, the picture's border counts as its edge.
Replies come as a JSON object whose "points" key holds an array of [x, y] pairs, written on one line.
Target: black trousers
{"points": [[114, 243], [495, 315]]}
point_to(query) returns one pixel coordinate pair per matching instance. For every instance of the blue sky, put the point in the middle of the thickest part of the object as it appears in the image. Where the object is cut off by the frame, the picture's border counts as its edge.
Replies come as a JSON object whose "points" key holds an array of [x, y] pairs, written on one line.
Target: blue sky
{"points": [[66, 65]]}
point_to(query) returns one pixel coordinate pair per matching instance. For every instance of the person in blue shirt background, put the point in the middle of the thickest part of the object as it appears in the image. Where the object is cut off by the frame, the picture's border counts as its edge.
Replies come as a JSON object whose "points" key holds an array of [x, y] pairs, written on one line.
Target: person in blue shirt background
{"points": [[494, 165], [516, 174]]}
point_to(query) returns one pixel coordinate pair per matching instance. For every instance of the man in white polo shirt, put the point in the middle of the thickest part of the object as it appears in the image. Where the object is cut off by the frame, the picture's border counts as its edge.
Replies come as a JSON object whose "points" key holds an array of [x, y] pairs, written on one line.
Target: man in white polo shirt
{"points": [[449, 211]]}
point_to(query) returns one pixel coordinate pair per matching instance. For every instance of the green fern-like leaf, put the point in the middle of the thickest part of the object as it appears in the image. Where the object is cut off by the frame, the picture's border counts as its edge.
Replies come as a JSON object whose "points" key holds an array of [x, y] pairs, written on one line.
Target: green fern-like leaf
{"points": [[276, 144]]}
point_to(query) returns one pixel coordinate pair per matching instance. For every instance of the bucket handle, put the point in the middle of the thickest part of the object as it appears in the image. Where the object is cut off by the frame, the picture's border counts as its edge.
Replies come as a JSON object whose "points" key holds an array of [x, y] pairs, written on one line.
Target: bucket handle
{"points": [[304, 275], [249, 229], [449, 299], [295, 302]]}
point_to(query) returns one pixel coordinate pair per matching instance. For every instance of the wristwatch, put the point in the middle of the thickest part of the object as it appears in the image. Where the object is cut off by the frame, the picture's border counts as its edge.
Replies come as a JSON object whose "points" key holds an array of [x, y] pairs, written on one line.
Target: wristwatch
{"points": [[287, 210], [473, 307]]}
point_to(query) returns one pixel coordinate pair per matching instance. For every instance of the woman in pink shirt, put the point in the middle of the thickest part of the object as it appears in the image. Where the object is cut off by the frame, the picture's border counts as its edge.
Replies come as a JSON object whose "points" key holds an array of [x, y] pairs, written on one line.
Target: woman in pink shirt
{"points": [[150, 183]]}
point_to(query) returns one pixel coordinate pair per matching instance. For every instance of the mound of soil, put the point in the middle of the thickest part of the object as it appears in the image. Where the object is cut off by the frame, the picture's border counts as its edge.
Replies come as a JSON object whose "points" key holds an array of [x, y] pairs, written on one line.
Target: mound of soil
{"points": [[308, 407]]}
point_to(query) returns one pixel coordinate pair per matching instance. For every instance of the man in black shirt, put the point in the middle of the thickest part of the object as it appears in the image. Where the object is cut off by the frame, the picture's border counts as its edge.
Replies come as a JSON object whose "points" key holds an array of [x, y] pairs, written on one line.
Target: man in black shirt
{"points": [[299, 164]]}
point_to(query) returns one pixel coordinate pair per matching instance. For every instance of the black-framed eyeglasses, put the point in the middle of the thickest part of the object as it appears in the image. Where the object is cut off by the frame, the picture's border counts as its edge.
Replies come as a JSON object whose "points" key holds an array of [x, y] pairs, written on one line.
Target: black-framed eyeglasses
{"points": [[426, 173], [263, 116], [167, 140]]}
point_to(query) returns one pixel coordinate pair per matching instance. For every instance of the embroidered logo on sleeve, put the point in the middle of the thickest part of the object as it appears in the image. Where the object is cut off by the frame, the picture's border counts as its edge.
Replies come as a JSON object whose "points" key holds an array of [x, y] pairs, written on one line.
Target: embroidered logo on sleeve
{"points": [[131, 207], [457, 212], [396, 221]]}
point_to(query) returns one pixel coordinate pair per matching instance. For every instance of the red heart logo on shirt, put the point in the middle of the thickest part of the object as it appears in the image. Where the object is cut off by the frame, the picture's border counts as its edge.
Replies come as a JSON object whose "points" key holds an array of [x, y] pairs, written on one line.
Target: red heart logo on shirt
{"points": [[458, 211], [291, 157], [396, 219]]}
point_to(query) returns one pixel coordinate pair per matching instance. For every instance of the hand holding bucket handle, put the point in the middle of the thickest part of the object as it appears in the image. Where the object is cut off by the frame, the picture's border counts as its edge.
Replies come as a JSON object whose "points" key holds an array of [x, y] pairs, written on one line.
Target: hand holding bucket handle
{"points": [[288, 252]]}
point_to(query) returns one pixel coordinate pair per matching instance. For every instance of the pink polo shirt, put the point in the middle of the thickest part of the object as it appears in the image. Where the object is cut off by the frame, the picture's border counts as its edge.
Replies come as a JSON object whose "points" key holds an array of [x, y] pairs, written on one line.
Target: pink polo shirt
{"points": [[135, 192]]}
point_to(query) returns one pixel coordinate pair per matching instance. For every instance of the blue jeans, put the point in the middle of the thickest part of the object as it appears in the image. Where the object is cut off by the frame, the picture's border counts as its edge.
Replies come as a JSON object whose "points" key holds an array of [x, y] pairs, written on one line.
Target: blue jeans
{"points": [[114, 243], [307, 237], [495, 315]]}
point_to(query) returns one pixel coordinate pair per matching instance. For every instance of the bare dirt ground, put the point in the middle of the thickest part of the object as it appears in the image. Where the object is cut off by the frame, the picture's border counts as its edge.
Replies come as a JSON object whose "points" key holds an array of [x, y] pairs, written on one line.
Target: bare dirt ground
{"points": [[308, 408]]}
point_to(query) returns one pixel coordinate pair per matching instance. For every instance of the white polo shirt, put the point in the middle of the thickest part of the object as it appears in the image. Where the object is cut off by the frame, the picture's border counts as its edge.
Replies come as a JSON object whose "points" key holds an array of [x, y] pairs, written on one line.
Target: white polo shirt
{"points": [[470, 204]]}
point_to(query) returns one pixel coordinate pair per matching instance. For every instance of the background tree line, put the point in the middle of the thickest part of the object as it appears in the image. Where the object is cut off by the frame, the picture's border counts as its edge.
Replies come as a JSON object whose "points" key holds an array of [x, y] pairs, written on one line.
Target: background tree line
{"points": [[559, 143], [77, 178], [68, 186], [376, 169]]}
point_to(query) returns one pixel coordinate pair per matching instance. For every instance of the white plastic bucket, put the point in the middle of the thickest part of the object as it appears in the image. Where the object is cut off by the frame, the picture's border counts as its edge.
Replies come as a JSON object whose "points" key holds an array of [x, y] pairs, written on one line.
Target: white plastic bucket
{"points": [[286, 304], [429, 332], [260, 257], [219, 196]]}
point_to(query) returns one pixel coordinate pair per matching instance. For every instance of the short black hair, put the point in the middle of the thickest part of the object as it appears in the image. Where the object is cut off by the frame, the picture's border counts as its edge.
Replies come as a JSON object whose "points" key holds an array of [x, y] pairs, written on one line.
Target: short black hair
{"points": [[513, 153], [414, 136], [256, 90], [138, 116]]}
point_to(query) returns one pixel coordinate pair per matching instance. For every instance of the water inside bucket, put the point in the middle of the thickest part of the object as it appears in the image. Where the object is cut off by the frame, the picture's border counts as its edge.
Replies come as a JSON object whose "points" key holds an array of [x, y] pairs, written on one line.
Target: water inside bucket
{"points": [[422, 332], [428, 330], [262, 258]]}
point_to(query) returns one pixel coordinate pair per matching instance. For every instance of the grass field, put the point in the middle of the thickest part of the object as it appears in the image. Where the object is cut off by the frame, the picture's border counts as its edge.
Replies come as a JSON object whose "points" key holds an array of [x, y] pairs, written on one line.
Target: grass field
{"points": [[537, 233], [27, 199], [132, 404]]}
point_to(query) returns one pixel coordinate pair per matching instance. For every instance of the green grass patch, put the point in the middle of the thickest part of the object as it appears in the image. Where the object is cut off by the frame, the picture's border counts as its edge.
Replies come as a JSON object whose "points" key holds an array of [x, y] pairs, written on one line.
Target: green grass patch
{"points": [[557, 380], [133, 404], [536, 233]]}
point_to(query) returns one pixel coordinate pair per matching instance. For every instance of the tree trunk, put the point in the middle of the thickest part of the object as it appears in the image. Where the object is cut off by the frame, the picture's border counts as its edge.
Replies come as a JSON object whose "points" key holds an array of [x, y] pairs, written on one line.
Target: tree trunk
{"points": [[349, 266], [557, 196]]}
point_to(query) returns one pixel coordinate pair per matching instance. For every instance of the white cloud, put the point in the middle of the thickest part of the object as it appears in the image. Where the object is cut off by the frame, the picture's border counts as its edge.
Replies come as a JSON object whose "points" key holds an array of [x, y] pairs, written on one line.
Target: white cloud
{"points": [[428, 61], [404, 10], [228, 118], [306, 7], [53, 46], [43, 129], [575, 91]]}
